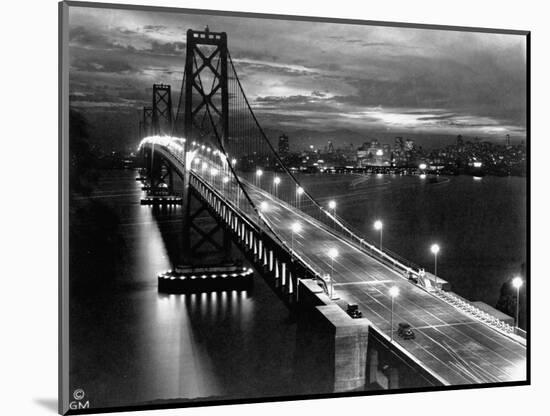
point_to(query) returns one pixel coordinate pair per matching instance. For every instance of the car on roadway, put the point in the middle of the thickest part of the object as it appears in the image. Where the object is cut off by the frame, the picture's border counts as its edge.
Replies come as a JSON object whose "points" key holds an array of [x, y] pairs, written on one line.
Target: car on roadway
{"points": [[405, 331], [353, 311]]}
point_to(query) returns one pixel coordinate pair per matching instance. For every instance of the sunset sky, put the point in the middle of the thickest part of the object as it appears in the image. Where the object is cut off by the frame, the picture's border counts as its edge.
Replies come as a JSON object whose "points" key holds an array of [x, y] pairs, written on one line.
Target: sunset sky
{"points": [[304, 75]]}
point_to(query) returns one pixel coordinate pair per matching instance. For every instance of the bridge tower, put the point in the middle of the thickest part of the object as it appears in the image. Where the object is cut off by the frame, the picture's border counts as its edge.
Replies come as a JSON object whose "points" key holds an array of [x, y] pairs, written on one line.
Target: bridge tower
{"points": [[162, 110], [205, 89], [206, 117]]}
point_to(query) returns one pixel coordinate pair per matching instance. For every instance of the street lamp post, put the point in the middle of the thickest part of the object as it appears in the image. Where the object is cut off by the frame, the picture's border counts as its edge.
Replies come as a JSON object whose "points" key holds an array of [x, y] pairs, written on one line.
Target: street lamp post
{"points": [[379, 226], [517, 282], [332, 206], [394, 292], [259, 174], [299, 192], [276, 182], [435, 249], [213, 174], [332, 253]]}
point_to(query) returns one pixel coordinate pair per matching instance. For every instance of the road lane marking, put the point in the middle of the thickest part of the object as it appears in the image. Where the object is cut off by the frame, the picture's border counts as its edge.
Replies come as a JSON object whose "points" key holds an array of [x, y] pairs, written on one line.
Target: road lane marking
{"points": [[363, 282]]}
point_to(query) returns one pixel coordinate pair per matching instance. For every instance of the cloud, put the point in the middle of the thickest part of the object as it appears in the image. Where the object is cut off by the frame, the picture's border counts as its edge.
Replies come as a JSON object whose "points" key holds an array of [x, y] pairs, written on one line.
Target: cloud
{"points": [[268, 67], [295, 73], [154, 28], [168, 48], [111, 65], [80, 35]]}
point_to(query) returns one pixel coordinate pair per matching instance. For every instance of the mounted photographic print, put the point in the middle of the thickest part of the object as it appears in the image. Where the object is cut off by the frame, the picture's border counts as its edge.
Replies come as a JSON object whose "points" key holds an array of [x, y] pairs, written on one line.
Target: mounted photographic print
{"points": [[260, 207]]}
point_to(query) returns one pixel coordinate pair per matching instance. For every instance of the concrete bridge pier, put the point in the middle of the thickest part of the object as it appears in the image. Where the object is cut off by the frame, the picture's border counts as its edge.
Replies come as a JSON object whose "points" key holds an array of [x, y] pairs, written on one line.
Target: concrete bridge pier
{"points": [[393, 382], [373, 366], [350, 342], [159, 173], [338, 342]]}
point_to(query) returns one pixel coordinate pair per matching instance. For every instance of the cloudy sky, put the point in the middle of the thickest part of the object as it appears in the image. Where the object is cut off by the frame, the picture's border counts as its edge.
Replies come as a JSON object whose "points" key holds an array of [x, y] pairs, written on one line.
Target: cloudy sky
{"points": [[306, 76]]}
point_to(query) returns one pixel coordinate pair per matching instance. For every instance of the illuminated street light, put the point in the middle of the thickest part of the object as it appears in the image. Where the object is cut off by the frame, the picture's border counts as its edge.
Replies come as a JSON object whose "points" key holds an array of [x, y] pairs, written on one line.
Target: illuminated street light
{"points": [[259, 174], [332, 206], [435, 249], [233, 162], [332, 253], [422, 166], [379, 227], [225, 179], [394, 292], [276, 182], [296, 227], [264, 206], [517, 282], [213, 173]]}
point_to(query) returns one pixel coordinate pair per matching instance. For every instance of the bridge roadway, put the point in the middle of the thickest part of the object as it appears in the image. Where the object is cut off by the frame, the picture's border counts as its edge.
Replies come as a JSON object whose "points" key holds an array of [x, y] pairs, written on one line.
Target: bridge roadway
{"points": [[456, 347]]}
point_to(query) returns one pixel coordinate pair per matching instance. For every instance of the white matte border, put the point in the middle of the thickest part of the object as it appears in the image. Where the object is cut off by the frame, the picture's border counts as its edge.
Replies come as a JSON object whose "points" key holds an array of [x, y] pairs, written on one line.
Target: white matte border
{"points": [[29, 213]]}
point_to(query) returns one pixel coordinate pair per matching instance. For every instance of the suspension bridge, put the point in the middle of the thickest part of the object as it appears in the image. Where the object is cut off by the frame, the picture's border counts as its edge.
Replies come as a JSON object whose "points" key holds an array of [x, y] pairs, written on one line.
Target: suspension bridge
{"points": [[213, 155]]}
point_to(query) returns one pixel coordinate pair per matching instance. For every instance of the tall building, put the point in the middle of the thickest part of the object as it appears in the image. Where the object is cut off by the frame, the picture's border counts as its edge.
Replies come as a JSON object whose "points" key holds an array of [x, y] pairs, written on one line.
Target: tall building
{"points": [[373, 154], [409, 145], [284, 147], [399, 145]]}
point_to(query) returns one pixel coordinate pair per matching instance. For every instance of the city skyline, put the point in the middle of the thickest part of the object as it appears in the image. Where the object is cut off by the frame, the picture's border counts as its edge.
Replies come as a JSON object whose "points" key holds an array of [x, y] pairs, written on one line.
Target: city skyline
{"points": [[306, 75]]}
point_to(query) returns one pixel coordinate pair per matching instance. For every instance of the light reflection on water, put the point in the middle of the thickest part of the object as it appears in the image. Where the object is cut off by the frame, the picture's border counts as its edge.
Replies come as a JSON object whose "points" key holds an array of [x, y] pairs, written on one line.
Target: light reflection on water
{"points": [[151, 346]]}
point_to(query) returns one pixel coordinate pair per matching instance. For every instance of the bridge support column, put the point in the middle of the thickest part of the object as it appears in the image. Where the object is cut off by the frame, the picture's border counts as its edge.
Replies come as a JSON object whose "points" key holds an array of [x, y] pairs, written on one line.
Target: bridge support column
{"points": [[350, 338], [393, 382], [197, 234], [373, 366], [161, 179], [345, 339]]}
